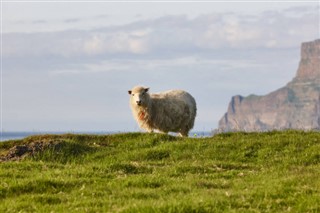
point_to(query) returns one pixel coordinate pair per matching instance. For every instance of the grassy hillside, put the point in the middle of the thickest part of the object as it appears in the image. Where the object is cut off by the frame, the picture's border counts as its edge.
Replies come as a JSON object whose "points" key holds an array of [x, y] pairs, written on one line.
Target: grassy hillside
{"points": [[134, 172]]}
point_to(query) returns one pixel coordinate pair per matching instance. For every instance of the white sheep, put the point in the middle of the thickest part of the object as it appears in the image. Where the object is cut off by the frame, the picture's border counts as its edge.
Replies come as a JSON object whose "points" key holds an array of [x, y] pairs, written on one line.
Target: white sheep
{"points": [[170, 111]]}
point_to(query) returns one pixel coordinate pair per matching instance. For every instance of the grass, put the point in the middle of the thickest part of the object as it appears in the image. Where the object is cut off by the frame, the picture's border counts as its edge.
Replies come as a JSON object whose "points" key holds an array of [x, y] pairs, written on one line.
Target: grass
{"points": [[135, 172]]}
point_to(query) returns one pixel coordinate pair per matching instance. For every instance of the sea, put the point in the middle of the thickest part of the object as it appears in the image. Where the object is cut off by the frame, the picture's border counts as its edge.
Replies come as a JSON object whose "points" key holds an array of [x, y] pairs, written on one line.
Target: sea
{"points": [[6, 136]]}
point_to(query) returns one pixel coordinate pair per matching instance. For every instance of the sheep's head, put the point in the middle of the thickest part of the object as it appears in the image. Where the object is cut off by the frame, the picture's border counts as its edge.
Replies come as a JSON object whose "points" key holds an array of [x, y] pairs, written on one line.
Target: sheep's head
{"points": [[139, 96]]}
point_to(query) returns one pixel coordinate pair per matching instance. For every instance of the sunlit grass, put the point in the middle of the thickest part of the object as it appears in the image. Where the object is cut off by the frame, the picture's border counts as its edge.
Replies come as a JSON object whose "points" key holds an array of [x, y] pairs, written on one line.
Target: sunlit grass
{"points": [[134, 172]]}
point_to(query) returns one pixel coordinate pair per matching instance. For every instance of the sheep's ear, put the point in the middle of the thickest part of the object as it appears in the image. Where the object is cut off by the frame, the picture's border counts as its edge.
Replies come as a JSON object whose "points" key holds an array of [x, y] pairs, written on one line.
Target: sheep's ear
{"points": [[129, 92], [146, 89]]}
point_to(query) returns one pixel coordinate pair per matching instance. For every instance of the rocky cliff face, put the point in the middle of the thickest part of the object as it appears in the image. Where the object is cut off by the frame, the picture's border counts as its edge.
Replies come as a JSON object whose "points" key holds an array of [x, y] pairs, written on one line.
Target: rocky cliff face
{"points": [[295, 106]]}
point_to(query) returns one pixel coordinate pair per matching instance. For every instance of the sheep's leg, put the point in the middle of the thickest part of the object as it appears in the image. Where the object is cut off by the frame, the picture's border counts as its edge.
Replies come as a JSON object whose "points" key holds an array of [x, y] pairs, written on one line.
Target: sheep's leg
{"points": [[183, 134]]}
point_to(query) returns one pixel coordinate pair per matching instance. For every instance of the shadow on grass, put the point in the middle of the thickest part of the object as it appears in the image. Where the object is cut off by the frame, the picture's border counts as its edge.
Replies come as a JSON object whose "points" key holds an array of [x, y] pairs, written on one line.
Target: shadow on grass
{"points": [[37, 187]]}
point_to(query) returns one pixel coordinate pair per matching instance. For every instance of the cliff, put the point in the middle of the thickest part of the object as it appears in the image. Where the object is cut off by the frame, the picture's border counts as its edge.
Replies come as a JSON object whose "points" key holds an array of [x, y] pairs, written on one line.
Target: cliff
{"points": [[294, 106]]}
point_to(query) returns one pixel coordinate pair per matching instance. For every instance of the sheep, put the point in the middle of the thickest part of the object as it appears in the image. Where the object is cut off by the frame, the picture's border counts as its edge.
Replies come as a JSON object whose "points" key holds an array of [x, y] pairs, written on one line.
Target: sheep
{"points": [[169, 111]]}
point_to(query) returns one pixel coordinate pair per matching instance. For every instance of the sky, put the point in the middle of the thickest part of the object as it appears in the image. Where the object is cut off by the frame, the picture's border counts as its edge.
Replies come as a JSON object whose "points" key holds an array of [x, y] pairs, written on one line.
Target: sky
{"points": [[67, 65]]}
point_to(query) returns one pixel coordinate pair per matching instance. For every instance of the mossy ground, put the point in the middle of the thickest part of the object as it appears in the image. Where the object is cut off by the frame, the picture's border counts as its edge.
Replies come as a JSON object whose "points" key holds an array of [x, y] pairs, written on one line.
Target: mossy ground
{"points": [[135, 172]]}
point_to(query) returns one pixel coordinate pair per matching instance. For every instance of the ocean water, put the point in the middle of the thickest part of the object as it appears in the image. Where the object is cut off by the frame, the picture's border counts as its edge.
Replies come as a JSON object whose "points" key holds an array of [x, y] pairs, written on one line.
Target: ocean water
{"points": [[5, 136]]}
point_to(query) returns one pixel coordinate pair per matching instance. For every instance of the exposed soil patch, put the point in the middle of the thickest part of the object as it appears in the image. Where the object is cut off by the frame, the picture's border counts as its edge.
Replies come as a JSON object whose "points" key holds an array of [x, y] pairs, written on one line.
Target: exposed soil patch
{"points": [[19, 152]]}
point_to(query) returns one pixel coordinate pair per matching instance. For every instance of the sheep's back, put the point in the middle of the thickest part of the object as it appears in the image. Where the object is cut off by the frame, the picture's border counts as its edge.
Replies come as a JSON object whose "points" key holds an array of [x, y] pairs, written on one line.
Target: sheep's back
{"points": [[173, 108], [175, 96]]}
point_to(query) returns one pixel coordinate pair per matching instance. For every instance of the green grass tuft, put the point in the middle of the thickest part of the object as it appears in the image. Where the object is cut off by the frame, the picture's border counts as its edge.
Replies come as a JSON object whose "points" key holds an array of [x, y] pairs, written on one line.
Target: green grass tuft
{"points": [[65, 152]]}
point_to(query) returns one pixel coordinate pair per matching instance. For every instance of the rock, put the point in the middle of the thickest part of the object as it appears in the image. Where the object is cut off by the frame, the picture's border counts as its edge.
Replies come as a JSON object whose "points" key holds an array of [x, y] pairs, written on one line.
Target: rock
{"points": [[295, 106], [309, 67]]}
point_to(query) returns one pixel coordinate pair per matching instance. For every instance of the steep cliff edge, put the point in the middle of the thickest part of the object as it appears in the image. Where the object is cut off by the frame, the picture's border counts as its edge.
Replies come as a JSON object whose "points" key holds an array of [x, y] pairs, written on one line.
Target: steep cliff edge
{"points": [[295, 106]]}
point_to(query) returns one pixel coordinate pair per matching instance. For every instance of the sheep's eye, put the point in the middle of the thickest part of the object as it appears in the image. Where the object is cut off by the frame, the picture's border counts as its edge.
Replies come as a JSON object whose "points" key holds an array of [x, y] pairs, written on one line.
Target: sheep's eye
{"points": [[132, 94], [143, 93]]}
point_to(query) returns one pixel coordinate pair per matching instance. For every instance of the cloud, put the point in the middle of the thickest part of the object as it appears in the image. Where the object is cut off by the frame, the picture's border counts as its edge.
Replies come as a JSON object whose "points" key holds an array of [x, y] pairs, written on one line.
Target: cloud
{"points": [[299, 11], [120, 42], [72, 20], [172, 34], [40, 21]]}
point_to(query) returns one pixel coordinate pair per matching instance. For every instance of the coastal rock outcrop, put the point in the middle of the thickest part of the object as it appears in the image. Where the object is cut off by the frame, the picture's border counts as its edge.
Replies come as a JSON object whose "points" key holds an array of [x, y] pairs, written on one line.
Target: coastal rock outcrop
{"points": [[294, 106]]}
